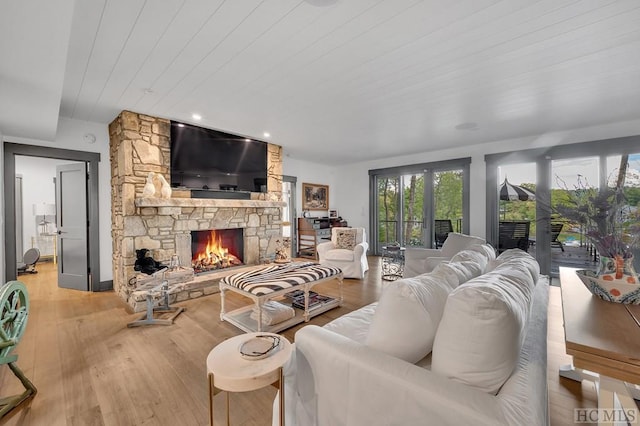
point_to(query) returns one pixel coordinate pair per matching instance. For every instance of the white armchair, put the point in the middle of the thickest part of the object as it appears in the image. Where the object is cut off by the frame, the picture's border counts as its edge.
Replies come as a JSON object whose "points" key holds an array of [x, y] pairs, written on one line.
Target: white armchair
{"points": [[347, 250], [421, 260]]}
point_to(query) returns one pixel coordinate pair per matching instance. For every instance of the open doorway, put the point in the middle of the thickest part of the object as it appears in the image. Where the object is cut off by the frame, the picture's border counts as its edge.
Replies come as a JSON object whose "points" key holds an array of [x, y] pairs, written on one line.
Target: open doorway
{"points": [[289, 213], [37, 226], [44, 227]]}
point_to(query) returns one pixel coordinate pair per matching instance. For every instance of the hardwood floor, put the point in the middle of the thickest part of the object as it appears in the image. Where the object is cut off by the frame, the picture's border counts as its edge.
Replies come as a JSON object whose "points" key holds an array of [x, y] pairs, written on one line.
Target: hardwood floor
{"points": [[90, 369]]}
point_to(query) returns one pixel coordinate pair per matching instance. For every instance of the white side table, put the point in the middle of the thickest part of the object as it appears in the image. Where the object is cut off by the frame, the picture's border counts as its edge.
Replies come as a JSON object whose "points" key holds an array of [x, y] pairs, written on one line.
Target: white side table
{"points": [[229, 371]]}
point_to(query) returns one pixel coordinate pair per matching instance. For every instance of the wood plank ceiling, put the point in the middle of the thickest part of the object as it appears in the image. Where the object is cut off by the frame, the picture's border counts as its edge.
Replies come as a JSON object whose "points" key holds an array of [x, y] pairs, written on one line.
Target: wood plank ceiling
{"points": [[358, 79]]}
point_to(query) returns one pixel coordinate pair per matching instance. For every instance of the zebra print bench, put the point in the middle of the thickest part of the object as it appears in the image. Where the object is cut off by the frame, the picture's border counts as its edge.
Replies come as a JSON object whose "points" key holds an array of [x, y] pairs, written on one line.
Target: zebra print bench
{"points": [[265, 283]]}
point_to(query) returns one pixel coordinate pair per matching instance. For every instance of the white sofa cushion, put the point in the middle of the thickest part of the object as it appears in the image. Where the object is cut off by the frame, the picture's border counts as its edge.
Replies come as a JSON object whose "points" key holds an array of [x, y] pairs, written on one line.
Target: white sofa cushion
{"points": [[407, 317], [522, 257], [446, 273], [340, 254], [482, 329], [354, 325], [469, 255], [465, 270], [456, 242], [421, 260]]}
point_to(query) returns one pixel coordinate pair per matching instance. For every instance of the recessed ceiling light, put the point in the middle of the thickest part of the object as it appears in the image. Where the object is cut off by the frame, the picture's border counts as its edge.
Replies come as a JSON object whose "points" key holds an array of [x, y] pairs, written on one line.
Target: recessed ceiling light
{"points": [[266, 134], [196, 116], [180, 125]]}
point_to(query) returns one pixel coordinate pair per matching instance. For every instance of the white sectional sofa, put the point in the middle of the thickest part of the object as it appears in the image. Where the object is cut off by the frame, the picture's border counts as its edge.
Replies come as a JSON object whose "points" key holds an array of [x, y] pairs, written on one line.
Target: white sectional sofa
{"points": [[462, 345], [421, 260]]}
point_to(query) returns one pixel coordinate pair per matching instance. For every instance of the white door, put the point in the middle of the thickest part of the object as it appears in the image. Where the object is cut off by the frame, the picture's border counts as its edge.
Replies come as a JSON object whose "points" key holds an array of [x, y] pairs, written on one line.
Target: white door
{"points": [[73, 252]]}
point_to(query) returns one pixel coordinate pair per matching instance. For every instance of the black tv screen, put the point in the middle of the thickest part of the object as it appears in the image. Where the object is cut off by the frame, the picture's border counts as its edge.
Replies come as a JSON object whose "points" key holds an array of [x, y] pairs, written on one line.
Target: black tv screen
{"points": [[213, 160]]}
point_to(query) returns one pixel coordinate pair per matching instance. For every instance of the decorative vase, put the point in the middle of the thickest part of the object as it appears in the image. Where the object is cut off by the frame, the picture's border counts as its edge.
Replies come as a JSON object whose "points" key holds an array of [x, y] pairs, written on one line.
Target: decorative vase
{"points": [[617, 269], [615, 281]]}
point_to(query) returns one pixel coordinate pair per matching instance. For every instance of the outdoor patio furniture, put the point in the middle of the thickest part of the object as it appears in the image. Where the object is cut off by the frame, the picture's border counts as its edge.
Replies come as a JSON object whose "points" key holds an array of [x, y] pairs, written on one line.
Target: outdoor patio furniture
{"points": [[514, 234], [442, 227], [556, 229]]}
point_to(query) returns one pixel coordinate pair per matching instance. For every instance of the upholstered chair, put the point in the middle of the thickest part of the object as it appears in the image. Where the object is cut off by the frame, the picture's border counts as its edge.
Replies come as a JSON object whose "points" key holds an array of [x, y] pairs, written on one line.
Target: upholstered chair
{"points": [[347, 250], [421, 260]]}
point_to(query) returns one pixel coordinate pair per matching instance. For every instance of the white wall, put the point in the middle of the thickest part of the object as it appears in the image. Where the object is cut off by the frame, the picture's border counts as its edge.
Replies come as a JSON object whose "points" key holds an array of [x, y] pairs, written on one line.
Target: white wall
{"points": [[37, 188], [352, 194], [308, 172], [70, 135]]}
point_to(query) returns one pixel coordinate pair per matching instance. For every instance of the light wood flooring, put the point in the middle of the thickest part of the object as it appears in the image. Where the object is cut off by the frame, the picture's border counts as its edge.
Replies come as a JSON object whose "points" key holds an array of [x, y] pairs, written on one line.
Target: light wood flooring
{"points": [[90, 369]]}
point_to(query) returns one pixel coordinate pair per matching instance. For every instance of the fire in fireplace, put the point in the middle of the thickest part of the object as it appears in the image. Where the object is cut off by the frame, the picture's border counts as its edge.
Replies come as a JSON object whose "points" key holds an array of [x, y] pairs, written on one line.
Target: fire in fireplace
{"points": [[216, 249]]}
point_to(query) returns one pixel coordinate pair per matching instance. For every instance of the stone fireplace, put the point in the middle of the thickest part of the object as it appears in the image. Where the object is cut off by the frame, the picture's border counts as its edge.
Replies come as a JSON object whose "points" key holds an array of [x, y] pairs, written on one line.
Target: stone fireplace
{"points": [[139, 144]]}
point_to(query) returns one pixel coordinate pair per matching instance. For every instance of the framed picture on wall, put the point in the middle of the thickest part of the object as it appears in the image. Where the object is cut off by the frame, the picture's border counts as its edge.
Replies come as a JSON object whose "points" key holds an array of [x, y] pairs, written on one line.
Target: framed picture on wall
{"points": [[315, 196]]}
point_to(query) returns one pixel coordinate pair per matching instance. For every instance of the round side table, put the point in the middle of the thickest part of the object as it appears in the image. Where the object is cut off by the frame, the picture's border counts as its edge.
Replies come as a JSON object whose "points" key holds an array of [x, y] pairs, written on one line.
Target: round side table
{"points": [[229, 371], [392, 262]]}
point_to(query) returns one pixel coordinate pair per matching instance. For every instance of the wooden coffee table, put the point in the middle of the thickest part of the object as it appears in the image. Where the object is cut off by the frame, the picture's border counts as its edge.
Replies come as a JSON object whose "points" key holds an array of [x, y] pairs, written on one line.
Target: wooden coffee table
{"points": [[265, 283], [604, 340]]}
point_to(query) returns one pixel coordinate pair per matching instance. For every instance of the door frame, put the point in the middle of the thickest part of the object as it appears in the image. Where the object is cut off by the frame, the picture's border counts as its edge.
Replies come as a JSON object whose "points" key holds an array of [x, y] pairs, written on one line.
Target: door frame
{"points": [[293, 213], [93, 235]]}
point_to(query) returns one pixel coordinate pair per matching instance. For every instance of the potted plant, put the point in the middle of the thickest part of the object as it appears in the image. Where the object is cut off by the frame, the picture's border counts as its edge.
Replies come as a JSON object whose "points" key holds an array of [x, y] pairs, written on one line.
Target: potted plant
{"points": [[612, 227]]}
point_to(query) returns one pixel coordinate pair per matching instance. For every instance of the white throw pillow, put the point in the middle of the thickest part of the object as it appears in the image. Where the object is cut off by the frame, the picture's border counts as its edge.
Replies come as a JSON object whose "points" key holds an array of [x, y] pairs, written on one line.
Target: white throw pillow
{"points": [[457, 242], [486, 249], [407, 317], [470, 255], [517, 255], [466, 270], [447, 274], [481, 332]]}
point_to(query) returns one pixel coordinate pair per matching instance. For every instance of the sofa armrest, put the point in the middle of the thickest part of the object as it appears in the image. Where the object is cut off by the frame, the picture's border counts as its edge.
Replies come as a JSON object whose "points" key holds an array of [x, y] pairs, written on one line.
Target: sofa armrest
{"points": [[360, 249], [340, 382], [415, 253], [431, 262], [415, 260], [323, 248]]}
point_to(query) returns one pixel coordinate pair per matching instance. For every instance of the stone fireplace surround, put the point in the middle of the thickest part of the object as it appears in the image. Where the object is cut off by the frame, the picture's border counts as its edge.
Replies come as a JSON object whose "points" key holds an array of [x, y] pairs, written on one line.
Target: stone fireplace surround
{"points": [[139, 144]]}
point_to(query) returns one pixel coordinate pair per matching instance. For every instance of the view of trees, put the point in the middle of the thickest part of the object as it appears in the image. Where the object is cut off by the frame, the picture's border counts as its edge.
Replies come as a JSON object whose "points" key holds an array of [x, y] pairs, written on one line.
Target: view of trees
{"points": [[447, 195], [448, 204]]}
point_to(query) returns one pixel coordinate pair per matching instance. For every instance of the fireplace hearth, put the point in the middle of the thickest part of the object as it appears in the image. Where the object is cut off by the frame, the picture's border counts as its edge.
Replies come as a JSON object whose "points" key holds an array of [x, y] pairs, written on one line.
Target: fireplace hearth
{"points": [[216, 249]]}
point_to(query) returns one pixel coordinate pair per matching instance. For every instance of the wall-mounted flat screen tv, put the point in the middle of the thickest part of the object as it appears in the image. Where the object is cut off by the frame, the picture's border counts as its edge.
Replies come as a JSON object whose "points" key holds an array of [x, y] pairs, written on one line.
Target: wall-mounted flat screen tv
{"points": [[214, 160]]}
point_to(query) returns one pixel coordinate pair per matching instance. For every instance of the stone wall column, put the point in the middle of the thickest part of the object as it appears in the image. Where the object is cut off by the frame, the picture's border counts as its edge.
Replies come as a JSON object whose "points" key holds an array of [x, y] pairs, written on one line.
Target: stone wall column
{"points": [[139, 144]]}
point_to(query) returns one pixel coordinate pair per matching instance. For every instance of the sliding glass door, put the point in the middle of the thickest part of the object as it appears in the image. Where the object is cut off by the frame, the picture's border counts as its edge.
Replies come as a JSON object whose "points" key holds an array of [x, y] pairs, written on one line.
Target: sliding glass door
{"points": [[411, 207], [559, 173], [448, 201], [387, 214], [400, 210]]}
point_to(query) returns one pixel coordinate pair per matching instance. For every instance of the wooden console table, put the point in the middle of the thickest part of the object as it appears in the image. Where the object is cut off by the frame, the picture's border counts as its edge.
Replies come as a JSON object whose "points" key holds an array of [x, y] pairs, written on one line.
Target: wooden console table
{"points": [[604, 340]]}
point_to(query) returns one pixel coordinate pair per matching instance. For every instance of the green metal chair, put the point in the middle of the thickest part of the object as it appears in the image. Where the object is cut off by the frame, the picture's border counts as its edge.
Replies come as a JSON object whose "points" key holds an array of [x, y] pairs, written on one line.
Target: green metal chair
{"points": [[14, 310]]}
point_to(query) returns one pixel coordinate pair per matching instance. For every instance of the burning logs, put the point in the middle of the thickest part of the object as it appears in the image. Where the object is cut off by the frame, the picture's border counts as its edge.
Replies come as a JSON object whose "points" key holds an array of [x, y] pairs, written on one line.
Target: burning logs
{"points": [[213, 261]]}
